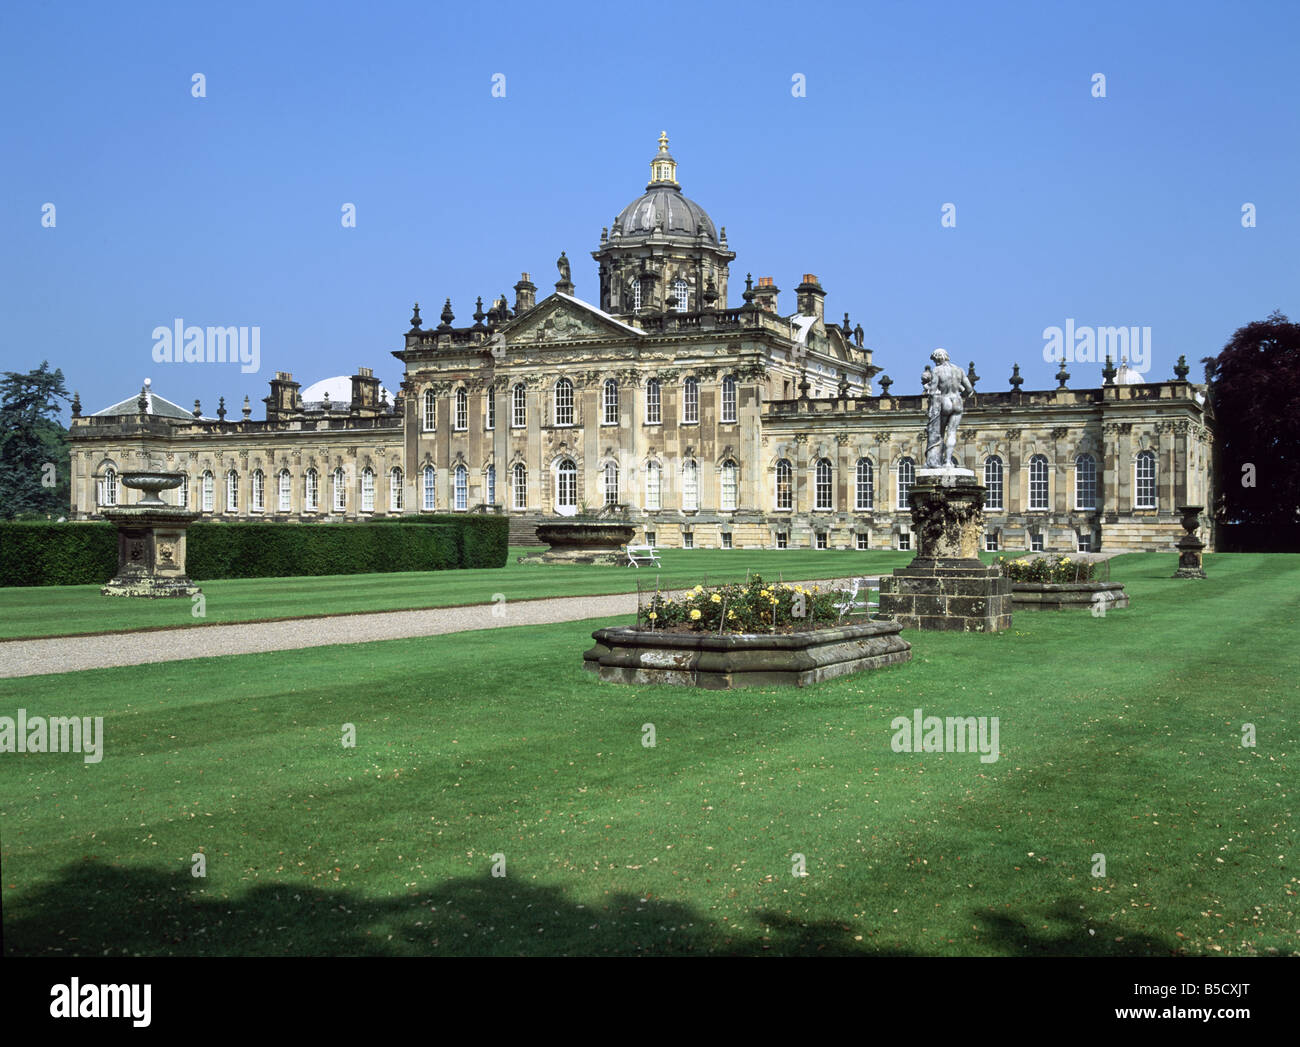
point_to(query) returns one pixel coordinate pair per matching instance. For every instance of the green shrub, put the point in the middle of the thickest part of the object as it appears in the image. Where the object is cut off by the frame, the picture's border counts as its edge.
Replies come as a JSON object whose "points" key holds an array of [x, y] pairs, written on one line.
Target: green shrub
{"points": [[754, 606], [57, 554], [482, 539]]}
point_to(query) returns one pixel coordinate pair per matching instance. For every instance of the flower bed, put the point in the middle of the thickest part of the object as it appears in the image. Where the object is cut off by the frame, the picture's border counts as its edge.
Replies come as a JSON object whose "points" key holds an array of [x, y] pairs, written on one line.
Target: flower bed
{"points": [[754, 606], [1043, 569]]}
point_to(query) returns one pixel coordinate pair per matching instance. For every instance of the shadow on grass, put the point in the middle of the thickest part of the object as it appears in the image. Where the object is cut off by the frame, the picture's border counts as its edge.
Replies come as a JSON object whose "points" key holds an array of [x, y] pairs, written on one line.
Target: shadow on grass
{"points": [[98, 910]]}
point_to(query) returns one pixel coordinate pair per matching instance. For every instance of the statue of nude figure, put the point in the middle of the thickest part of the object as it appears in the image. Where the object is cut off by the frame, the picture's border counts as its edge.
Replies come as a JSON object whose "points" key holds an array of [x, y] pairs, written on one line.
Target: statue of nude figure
{"points": [[945, 385]]}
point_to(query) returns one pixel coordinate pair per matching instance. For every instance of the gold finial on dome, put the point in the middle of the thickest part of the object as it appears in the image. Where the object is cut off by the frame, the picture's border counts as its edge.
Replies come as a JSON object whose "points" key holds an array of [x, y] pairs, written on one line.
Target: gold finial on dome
{"points": [[663, 168]]}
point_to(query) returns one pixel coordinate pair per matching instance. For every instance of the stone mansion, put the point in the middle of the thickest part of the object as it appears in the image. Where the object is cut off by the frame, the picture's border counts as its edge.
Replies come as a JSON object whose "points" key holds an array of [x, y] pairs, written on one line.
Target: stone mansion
{"points": [[709, 425]]}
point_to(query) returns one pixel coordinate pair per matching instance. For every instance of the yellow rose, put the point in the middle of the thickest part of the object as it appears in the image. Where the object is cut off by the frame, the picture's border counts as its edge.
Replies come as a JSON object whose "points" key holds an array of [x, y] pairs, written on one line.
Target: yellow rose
{"points": [[716, 598], [695, 616], [731, 614], [652, 616], [699, 588]]}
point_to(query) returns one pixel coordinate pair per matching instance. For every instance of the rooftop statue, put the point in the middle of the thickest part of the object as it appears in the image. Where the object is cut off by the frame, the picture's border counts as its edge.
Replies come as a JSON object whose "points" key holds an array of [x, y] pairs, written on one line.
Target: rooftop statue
{"points": [[945, 385]]}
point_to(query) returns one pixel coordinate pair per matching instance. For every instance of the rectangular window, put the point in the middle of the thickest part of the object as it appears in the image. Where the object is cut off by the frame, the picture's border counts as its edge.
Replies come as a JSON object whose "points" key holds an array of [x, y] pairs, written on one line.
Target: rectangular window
{"points": [[728, 399], [367, 491], [726, 541], [688, 540], [821, 539], [430, 406], [653, 405], [864, 541], [519, 409], [286, 486], [990, 543], [462, 410], [1145, 470], [1035, 542], [564, 402], [430, 488], [462, 488], [690, 486], [691, 401], [729, 486], [311, 493], [652, 477], [1085, 542], [904, 540], [649, 538], [491, 409], [782, 539]]}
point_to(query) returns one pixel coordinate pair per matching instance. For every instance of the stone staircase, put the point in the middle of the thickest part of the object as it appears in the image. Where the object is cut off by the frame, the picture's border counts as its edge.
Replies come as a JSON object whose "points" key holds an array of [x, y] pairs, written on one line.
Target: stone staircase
{"points": [[522, 528]]}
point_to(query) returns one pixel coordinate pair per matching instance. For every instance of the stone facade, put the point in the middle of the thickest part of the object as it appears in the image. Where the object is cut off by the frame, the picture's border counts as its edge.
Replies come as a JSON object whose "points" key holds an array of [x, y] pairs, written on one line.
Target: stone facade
{"points": [[714, 426]]}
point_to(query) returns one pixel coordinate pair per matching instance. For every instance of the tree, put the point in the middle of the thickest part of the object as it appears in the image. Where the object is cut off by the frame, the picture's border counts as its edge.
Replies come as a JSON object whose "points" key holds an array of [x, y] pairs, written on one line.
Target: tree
{"points": [[1255, 393], [35, 474]]}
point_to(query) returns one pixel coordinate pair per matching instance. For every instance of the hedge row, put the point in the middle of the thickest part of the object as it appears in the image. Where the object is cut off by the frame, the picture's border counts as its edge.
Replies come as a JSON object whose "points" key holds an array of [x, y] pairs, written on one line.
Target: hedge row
{"points": [[86, 553]]}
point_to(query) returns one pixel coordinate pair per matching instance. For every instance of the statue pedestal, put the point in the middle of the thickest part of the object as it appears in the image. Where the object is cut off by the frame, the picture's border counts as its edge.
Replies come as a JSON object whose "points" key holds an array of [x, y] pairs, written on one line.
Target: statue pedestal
{"points": [[947, 587], [1190, 547], [150, 552]]}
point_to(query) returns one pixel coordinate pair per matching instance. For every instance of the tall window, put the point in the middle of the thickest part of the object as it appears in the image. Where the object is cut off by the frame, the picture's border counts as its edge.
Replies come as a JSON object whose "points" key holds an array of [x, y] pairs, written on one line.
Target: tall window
{"points": [[430, 408], [311, 491], [653, 414], [653, 476], [367, 490], [519, 408], [865, 490], [340, 490], [611, 483], [285, 482], [1145, 476], [395, 490], [207, 492], [108, 487], [183, 492], [461, 487], [259, 491], [636, 296], [232, 491], [1038, 482], [729, 398], [519, 485], [691, 400], [681, 292], [729, 473], [1085, 482], [462, 410], [430, 488], [823, 491], [564, 402], [690, 485], [784, 484], [566, 485], [993, 482], [611, 402], [906, 477], [491, 408], [491, 477]]}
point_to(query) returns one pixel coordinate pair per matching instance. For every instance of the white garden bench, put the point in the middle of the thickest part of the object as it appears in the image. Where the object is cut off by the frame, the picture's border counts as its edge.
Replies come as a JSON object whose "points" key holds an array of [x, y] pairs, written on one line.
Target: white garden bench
{"points": [[850, 602], [639, 554]]}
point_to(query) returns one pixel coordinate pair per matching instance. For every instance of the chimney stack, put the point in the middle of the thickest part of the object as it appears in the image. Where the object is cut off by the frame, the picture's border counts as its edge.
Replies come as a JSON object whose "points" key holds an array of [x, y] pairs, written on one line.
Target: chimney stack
{"points": [[283, 400], [365, 392], [766, 294], [525, 295], [812, 299]]}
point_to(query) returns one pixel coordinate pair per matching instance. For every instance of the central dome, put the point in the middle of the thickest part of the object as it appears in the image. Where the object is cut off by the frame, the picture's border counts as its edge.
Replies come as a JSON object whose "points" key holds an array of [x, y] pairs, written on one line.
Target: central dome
{"points": [[663, 206]]}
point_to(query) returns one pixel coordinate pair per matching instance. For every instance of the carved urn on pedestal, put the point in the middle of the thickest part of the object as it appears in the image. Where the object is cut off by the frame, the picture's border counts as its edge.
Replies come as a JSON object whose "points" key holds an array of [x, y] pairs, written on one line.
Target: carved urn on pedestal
{"points": [[151, 540]]}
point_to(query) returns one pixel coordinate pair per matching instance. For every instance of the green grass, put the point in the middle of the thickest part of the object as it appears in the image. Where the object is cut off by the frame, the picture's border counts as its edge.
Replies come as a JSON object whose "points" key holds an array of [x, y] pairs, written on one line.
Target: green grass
{"points": [[68, 610], [1119, 735]]}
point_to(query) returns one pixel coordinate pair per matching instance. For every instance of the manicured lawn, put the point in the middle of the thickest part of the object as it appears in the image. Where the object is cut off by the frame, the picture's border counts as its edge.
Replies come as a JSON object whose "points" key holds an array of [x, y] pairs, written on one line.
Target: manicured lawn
{"points": [[1119, 736], [64, 610]]}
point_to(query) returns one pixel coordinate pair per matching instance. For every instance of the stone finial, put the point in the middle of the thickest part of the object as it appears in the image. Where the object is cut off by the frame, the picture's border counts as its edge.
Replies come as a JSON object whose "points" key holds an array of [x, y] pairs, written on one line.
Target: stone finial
{"points": [[325, 403], [722, 235], [447, 316], [604, 234], [76, 404], [885, 383], [710, 292], [1062, 376], [844, 387], [415, 317], [748, 294], [804, 384], [198, 411], [221, 408], [478, 312], [846, 328], [142, 401], [971, 376], [247, 409], [1181, 370], [1016, 380], [1108, 371]]}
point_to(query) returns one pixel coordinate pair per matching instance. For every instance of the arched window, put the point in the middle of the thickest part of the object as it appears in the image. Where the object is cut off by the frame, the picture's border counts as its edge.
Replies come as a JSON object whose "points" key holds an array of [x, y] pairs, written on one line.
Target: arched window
{"points": [[311, 491], [462, 411], [367, 490], [108, 487], [653, 477], [993, 482], [564, 402], [906, 477], [636, 295], [566, 485], [1144, 487], [232, 491], [729, 398], [653, 414], [1085, 482], [519, 411], [729, 474], [340, 490], [207, 492], [519, 485], [259, 492], [430, 488], [491, 478], [183, 492], [430, 411], [611, 402], [682, 293], [1038, 482], [691, 400], [395, 490], [823, 488], [285, 493], [611, 483], [690, 485], [461, 487], [784, 484], [864, 494]]}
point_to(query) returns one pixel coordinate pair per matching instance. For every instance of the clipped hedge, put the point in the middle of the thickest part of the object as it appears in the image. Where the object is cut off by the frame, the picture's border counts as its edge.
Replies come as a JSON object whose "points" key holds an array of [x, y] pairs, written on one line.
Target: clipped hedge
{"points": [[86, 553]]}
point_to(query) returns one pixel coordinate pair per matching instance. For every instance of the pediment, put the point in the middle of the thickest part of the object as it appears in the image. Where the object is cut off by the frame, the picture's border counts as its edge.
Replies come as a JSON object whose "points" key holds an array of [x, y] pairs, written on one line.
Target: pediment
{"points": [[561, 318]]}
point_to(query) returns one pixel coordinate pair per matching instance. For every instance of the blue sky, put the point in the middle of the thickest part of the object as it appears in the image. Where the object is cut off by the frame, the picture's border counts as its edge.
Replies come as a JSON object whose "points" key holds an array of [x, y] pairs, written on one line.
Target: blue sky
{"points": [[1123, 210]]}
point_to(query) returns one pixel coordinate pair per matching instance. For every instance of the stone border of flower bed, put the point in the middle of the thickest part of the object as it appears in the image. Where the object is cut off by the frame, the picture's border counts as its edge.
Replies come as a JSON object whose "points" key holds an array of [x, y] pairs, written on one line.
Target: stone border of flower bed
{"points": [[1061, 596], [629, 655]]}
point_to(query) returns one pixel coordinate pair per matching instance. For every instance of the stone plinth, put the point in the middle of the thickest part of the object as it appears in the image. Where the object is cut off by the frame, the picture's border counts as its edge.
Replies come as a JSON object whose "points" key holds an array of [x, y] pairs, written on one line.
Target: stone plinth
{"points": [[640, 656], [150, 552], [1190, 547], [947, 587], [1061, 596]]}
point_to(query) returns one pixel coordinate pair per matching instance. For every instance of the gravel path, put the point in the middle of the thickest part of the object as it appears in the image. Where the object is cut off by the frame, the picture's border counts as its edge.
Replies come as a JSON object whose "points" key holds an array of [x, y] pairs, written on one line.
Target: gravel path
{"points": [[76, 653]]}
